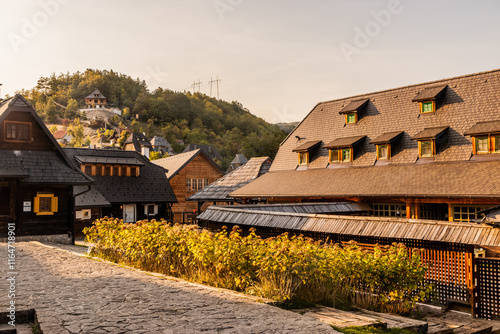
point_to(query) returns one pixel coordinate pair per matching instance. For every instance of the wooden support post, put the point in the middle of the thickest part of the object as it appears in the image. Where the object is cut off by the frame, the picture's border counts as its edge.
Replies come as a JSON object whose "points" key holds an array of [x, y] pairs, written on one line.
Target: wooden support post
{"points": [[470, 272], [450, 212], [408, 210], [417, 210]]}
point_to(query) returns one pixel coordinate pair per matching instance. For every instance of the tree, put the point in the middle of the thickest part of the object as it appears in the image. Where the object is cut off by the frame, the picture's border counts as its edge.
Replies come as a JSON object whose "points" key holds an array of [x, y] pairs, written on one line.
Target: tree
{"points": [[53, 129], [71, 109], [123, 137], [136, 127], [87, 141], [154, 155], [50, 110], [76, 131]]}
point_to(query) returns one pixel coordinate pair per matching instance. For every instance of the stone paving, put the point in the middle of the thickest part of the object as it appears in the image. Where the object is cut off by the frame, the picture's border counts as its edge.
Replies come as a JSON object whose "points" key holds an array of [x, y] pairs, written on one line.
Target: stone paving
{"points": [[74, 294]]}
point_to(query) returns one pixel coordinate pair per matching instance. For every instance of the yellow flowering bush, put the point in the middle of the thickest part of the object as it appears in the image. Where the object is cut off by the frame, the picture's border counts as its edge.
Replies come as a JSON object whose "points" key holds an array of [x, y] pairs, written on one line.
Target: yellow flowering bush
{"points": [[292, 270]]}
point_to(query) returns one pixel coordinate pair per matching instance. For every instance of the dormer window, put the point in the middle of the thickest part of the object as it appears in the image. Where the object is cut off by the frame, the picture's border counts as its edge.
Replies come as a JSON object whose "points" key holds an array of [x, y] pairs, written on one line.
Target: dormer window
{"points": [[342, 149], [428, 97], [428, 139], [485, 137], [305, 150], [385, 142], [353, 110]]}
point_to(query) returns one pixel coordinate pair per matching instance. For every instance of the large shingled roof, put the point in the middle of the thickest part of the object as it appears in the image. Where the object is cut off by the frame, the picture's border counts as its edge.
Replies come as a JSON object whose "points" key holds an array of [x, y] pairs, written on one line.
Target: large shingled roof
{"points": [[220, 189], [150, 187], [174, 164]]}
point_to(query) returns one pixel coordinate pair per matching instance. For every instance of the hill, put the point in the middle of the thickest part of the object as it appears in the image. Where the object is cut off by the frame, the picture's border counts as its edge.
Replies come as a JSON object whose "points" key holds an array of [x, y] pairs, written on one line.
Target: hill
{"points": [[178, 116]]}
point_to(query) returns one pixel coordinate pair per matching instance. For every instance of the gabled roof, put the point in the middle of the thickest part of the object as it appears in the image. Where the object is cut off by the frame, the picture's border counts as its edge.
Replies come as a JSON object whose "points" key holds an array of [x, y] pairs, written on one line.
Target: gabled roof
{"points": [[307, 146], [40, 167], [60, 134], [431, 133], [484, 128], [159, 141], [220, 189], [387, 138], [209, 150], [345, 142], [239, 159], [138, 140], [429, 93], [99, 95], [467, 100], [354, 106], [151, 186], [174, 164]]}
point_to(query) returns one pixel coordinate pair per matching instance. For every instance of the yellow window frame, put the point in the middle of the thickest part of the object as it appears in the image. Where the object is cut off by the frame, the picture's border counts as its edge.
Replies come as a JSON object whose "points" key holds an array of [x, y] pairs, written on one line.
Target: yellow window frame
{"points": [[388, 152], [433, 144], [339, 155], [54, 204], [306, 158], [422, 107]]}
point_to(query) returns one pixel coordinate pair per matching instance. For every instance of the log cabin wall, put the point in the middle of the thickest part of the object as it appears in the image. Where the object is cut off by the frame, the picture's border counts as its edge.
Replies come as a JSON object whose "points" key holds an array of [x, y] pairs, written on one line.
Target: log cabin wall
{"points": [[198, 168]]}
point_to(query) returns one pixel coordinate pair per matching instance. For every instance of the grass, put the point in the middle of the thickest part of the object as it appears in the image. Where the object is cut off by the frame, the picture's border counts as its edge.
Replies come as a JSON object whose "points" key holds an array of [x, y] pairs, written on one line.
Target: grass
{"points": [[371, 330]]}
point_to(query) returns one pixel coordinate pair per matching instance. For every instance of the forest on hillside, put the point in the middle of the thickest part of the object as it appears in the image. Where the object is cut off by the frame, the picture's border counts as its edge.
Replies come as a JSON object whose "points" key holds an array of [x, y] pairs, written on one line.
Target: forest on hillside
{"points": [[193, 118]]}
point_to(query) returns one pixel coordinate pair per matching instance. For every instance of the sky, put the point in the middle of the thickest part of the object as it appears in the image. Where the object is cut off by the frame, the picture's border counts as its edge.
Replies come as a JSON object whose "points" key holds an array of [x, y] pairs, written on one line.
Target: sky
{"points": [[279, 58]]}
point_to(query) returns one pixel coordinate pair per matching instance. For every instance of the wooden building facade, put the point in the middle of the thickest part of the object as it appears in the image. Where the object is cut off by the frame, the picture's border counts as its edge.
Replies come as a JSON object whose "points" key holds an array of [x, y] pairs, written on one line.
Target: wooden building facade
{"points": [[36, 177], [127, 186], [189, 173]]}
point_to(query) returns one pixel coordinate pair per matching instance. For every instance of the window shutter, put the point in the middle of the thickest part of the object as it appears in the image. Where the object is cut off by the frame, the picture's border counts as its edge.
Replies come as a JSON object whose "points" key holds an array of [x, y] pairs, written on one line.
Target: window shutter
{"points": [[54, 204], [156, 209], [36, 205]]}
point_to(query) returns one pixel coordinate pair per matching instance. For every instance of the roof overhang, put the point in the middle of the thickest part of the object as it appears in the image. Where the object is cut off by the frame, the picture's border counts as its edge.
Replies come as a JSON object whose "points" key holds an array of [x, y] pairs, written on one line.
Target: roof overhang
{"points": [[307, 146], [387, 138], [484, 128], [345, 142], [431, 133], [430, 94], [354, 106], [108, 160]]}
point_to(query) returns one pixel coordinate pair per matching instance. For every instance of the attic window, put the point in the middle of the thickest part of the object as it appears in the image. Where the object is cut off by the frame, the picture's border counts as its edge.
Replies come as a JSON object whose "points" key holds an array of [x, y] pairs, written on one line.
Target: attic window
{"points": [[353, 109], [305, 150], [342, 149], [485, 137], [428, 140], [385, 144], [17, 131], [428, 97]]}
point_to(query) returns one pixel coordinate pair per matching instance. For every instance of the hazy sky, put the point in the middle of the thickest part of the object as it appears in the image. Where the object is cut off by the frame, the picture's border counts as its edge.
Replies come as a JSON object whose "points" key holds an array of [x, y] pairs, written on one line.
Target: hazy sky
{"points": [[277, 57]]}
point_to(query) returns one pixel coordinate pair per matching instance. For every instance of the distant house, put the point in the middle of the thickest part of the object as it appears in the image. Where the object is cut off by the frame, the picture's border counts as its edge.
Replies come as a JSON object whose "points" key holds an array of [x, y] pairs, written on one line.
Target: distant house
{"points": [[36, 176], [209, 150], [239, 160], [218, 192], [127, 186], [62, 137], [96, 100], [188, 173], [161, 145], [139, 143]]}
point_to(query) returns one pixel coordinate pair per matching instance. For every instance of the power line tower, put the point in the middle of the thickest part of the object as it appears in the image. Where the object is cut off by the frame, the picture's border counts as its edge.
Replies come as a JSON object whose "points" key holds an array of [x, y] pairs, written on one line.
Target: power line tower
{"points": [[216, 81], [196, 84]]}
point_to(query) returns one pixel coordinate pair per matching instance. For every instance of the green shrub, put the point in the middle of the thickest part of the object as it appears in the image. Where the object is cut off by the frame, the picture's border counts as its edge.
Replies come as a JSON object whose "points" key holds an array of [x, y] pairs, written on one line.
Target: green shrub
{"points": [[292, 270]]}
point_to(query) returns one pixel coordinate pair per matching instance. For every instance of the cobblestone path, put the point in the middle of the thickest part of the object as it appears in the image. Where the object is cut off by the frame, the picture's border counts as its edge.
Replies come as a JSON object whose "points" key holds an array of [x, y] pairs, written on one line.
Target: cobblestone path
{"points": [[74, 294]]}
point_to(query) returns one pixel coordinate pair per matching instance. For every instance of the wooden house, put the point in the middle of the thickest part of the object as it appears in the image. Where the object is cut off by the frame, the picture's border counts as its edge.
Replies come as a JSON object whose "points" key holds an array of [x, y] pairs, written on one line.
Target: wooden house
{"points": [[127, 186], [161, 145], [218, 192], [188, 173], [62, 137], [139, 143], [96, 100], [425, 151], [36, 177]]}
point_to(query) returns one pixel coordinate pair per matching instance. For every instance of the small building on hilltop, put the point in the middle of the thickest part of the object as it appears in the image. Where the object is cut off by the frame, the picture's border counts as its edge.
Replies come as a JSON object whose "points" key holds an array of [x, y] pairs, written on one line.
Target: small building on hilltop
{"points": [[209, 150], [188, 173], [127, 186], [161, 145], [96, 100], [36, 177], [239, 160], [138, 142], [218, 192]]}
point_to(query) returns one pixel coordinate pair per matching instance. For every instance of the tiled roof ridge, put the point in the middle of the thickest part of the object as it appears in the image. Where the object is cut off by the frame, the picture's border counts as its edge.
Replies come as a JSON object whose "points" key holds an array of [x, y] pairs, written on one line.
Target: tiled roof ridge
{"points": [[363, 95], [180, 155]]}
